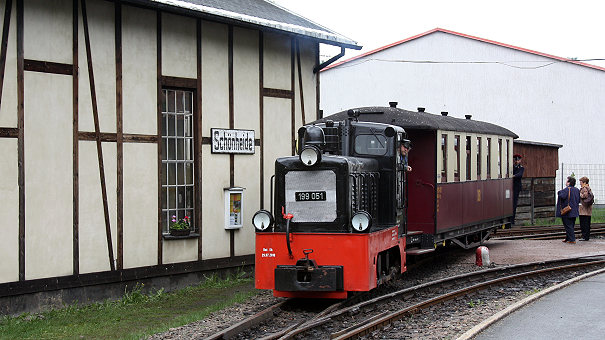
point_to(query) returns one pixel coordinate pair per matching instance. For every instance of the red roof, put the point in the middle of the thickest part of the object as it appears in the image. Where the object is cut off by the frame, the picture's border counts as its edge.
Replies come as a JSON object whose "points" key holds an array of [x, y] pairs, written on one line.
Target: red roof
{"points": [[465, 36]]}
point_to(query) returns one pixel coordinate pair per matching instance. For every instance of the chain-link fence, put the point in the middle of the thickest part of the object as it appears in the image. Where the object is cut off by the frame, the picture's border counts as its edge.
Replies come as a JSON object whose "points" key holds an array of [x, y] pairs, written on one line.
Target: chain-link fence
{"points": [[594, 172]]}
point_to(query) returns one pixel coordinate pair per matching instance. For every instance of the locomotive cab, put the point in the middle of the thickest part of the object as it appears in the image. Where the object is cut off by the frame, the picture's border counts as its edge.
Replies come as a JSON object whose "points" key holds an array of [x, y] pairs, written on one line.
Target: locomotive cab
{"points": [[337, 220]]}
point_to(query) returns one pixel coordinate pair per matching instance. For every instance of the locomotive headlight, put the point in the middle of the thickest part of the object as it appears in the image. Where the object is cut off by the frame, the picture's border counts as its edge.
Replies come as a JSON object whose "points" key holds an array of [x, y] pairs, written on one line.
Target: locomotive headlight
{"points": [[262, 220], [361, 221], [310, 155]]}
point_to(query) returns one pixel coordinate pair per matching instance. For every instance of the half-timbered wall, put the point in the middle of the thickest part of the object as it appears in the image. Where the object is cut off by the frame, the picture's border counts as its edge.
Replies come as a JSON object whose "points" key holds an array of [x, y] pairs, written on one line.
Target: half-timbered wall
{"points": [[81, 142]]}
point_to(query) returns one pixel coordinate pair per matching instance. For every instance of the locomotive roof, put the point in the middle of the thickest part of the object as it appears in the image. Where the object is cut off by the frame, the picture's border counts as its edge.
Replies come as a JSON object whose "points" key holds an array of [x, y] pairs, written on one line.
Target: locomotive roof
{"points": [[412, 120]]}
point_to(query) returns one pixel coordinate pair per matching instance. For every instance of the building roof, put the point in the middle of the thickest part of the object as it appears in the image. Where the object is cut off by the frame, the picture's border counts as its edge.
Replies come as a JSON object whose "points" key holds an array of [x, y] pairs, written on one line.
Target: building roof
{"points": [[254, 13], [468, 37], [412, 120]]}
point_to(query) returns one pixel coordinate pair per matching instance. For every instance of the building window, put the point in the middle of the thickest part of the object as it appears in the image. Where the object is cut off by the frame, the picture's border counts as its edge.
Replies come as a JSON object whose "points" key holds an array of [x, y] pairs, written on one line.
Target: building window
{"points": [[499, 158], [457, 150], [489, 158], [478, 158], [468, 158], [444, 158], [177, 157]]}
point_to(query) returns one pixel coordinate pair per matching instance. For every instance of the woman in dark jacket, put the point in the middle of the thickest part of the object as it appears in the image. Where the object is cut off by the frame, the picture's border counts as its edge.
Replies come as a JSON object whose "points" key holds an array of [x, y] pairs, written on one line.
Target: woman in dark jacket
{"points": [[570, 195]]}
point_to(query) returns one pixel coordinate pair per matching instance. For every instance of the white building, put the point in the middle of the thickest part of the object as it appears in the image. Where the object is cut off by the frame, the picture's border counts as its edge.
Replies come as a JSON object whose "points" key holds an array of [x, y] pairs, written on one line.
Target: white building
{"points": [[538, 96], [109, 116]]}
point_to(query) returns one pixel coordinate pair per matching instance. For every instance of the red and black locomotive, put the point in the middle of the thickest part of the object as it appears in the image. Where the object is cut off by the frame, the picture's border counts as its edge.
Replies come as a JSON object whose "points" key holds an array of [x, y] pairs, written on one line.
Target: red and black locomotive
{"points": [[345, 213]]}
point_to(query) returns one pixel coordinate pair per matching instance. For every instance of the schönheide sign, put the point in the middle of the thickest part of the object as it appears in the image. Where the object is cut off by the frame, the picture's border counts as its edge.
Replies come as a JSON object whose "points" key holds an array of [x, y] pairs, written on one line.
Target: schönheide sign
{"points": [[232, 141]]}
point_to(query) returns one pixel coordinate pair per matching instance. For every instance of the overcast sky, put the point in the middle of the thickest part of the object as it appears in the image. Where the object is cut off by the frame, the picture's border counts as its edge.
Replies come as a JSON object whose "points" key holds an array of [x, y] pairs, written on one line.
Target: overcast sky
{"points": [[569, 29]]}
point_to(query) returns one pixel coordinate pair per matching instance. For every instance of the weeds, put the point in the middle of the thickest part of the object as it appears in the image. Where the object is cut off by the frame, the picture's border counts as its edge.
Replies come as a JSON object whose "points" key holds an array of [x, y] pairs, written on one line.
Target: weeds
{"points": [[475, 303]]}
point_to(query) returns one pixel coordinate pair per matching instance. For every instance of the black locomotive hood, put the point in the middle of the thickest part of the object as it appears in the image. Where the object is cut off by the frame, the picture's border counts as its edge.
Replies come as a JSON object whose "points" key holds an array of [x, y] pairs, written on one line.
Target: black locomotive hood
{"points": [[354, 164]]}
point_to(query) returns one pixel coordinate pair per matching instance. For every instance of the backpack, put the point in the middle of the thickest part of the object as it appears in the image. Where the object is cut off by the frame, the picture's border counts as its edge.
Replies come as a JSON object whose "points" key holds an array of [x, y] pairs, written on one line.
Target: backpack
{"points": [[589, 200]]}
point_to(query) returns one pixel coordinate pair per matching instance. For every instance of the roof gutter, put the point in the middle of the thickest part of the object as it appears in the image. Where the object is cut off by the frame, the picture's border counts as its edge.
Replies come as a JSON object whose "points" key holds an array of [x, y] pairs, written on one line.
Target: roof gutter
{"points": [[329, 61]]}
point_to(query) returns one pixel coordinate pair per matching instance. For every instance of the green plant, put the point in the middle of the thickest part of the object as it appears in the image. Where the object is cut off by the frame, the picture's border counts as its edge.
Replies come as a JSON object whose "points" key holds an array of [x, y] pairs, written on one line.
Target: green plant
{"points": [[474, 304], [181, 224], [531, 292]]}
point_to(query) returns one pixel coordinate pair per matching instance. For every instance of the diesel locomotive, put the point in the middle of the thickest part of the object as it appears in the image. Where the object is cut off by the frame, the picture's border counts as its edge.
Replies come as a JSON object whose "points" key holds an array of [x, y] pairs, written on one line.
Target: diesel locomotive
{"points": [[345, 213]]}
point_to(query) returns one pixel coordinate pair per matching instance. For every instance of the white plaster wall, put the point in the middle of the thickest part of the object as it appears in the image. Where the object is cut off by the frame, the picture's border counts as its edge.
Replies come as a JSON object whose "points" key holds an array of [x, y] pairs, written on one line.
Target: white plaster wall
{"points": [[179, 47], [215, 177], [140, 204], [246, 116], [94, 256], [277, 138], [277, 61], [215, 113], [307, 61], [8, 110], [48, 29], [175, 251], [139, 70], [215, 77], [101, 27], [9, 214], [535, 103], [48, 175]]}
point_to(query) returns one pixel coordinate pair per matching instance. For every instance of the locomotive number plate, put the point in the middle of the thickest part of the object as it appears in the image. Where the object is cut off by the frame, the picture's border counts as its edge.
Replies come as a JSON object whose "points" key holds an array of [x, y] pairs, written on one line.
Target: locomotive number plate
{"points": [[310, 196]]}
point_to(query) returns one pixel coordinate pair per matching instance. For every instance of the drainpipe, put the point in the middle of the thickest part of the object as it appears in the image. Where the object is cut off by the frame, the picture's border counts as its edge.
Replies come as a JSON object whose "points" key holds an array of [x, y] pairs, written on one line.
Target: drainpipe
{"points": [[329, 61]]}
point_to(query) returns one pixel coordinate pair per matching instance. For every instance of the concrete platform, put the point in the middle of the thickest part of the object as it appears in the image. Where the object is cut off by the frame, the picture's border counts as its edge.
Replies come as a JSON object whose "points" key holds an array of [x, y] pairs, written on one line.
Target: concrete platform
{"points": [[574, 312]]}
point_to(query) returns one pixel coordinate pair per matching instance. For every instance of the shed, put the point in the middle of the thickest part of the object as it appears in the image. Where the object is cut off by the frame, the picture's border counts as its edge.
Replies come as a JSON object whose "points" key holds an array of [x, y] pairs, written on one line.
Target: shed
{"points": [[537, 196]]}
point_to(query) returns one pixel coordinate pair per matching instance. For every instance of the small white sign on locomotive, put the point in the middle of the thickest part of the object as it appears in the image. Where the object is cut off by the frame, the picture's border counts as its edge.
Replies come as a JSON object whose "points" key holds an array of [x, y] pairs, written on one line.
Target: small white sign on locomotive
{"points": [[232, 141]]}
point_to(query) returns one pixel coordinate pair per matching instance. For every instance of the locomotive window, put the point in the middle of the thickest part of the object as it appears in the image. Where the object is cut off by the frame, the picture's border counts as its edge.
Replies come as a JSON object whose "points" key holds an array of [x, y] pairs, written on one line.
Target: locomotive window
{"points": [[371, 145], [468, 158], [478, 158], [457, 149]]}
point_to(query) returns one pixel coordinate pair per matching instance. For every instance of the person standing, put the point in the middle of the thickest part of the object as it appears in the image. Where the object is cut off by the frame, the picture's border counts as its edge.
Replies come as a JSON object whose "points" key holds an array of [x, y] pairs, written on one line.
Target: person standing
{"points": [[586, 201], [518, 170], [569, 195], [404, 149]]}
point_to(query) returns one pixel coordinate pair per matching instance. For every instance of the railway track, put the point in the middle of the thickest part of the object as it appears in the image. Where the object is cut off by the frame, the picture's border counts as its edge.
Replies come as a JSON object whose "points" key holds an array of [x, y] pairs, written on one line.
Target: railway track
{"points": [[351, 319], [543, 232]]}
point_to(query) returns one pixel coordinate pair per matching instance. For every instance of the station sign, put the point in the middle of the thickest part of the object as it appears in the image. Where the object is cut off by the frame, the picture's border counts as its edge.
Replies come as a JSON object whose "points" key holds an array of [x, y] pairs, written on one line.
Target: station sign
{"points": [[232, 141]]}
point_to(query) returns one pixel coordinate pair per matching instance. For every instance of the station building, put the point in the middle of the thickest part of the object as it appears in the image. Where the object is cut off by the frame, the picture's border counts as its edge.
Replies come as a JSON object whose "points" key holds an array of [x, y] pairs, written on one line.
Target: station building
{"points": [[540, 97], [118, 117]]}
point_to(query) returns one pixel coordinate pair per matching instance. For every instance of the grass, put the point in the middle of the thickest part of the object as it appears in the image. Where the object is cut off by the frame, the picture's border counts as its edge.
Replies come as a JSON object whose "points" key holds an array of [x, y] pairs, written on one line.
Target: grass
{"points": [[598, 216], [134, 316]]}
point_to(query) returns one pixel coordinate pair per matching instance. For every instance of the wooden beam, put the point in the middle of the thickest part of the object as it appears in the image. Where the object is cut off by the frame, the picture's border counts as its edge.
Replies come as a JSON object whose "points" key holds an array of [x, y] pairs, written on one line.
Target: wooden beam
{"points": [[95, 114], [277, 93], [9, 133], [48, 67], [113, 137], [261, 91], [197, 146], [75, 144], [231, 126], [119, 134], [8, 6], [293, 99], [300, 82], [179, 82], [123, 275], [20, 142], [159, 131]]}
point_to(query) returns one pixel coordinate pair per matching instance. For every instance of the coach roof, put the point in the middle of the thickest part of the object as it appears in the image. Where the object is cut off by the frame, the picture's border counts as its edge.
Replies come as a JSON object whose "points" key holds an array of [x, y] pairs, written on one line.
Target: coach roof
{"points": [[411, 120]]}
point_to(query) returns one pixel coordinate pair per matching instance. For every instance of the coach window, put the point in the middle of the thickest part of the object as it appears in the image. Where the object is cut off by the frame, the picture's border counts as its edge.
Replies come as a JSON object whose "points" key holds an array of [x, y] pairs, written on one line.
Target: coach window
{"points": [[499, 157], [457, 150], [489, 158], [468, 158], [478, 158], [177, 158], [507, 158], [444, 158]]}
